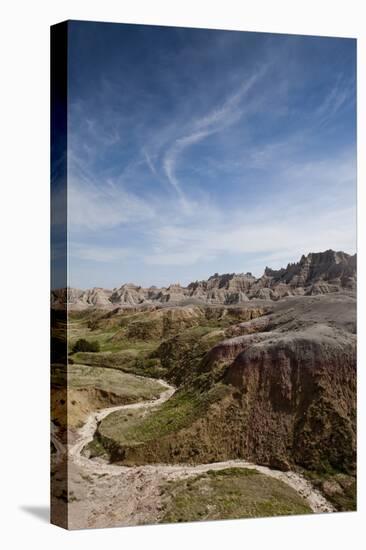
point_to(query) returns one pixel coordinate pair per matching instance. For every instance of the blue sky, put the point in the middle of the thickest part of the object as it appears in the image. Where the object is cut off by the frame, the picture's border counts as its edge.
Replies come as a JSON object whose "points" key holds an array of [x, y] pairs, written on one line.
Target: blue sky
{"points": [[197, 151]]}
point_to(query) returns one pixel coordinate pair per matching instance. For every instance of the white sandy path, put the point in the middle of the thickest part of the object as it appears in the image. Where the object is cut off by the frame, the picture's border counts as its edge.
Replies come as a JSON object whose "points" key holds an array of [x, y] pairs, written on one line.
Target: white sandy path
{"points": [[303, 487]]}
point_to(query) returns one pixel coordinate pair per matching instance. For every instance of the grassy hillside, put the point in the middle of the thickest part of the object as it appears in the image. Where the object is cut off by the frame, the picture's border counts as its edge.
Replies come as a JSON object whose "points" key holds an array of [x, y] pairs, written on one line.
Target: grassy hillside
{"points": [[91, 388], [230, 494], [179, 412], [265, 384]]}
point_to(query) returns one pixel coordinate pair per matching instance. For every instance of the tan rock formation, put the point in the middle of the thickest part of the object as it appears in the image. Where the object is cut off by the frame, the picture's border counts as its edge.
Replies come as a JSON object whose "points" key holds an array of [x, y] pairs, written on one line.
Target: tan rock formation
{"points": [[317, 273]]}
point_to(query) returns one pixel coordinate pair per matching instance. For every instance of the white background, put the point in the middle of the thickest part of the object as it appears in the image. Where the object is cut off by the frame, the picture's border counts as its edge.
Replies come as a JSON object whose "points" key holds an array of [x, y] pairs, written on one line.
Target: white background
{"points": [[24, 217]]}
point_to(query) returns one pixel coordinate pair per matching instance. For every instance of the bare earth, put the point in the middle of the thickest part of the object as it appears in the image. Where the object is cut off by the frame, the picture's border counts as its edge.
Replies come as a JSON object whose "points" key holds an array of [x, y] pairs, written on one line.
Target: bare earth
{"points": [[108, 495]]}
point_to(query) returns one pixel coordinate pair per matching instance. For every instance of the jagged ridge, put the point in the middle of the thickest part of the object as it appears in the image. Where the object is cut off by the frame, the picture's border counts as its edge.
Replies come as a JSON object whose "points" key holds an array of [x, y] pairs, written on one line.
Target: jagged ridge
{"points": [[316, 273]]}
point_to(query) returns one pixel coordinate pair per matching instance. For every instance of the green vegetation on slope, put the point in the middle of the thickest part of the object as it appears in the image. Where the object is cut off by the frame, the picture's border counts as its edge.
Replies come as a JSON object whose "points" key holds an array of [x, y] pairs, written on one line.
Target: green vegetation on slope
{"points": [[235, 399], [190, 333], [82, 376], [88, 388], [229, 494], [162, 344], [132, 361], [86, 345], [181, 355], [133, 427]]}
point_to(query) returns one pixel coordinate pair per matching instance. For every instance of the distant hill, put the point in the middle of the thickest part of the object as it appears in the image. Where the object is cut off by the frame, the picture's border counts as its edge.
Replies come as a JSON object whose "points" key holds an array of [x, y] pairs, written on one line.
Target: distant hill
{"points": [[317, 273]]}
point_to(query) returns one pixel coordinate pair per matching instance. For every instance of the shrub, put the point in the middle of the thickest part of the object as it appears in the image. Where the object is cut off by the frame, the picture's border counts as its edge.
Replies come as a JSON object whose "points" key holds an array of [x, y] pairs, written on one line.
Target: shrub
{"points": [[85, 345]]}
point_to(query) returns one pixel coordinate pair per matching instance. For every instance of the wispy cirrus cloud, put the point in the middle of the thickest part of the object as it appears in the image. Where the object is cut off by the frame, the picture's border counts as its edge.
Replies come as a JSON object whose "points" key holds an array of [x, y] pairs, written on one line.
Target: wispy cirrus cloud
{"points": [[293, 223], [274, 239], [218, 153], [95, 205], [94, 208], [171, 158], [218, 118], [103, 253], [149, 162], [341, 94]]}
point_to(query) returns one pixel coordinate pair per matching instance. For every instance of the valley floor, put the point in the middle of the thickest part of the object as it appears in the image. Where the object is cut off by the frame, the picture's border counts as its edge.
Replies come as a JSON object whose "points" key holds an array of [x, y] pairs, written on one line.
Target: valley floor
{"points": [[104, 495], [199, 412]]}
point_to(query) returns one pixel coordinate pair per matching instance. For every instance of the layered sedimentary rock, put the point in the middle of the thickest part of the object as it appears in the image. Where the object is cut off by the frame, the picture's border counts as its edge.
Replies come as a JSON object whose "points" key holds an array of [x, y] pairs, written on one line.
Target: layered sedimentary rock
{"points": [[316, 273], [297, 395], [287, 391]]}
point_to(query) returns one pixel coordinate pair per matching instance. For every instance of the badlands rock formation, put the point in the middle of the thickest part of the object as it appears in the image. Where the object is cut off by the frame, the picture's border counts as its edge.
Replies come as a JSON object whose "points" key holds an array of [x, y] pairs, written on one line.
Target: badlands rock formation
{"points": [[317, 273], [278, 390]]}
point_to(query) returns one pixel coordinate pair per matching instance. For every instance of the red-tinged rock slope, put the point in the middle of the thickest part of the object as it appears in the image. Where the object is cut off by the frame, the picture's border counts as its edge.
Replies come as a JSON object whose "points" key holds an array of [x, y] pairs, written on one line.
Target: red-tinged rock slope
{"points": [[281, 393]]}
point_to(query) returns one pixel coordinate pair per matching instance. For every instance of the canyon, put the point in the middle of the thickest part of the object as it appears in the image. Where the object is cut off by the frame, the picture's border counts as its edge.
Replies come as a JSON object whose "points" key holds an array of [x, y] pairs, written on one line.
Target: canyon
{"points": [[261, 376]]}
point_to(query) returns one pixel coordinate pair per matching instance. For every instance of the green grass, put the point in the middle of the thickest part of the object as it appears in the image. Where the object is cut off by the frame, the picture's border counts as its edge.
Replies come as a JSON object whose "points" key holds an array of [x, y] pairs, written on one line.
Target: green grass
{"points": [[229, 494], [109, 380], [131, 360], [180, 411], [134, 346], [91, 388], [93, 449], [133, 343], [113, 338], [117, 360], [182, 354]]}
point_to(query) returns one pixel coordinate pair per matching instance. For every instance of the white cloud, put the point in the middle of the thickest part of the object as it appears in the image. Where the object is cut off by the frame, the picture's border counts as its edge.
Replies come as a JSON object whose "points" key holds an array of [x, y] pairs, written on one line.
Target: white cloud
{"points": [[98, 208], [95, 205], [303, 218], [340, 95], [102, 254], [276, 239], [308, 206], [149, 162], [230, 110], [217, 119]]}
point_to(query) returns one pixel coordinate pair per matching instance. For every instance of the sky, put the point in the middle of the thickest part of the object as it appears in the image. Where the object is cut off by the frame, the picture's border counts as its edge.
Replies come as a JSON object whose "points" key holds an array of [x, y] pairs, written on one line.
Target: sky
{"points": [[195, 151]]}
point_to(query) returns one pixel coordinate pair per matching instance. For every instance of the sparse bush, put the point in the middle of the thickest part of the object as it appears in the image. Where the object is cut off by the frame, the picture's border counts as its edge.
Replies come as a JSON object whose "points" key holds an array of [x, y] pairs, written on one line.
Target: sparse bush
{"points": [[85, 345]]}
